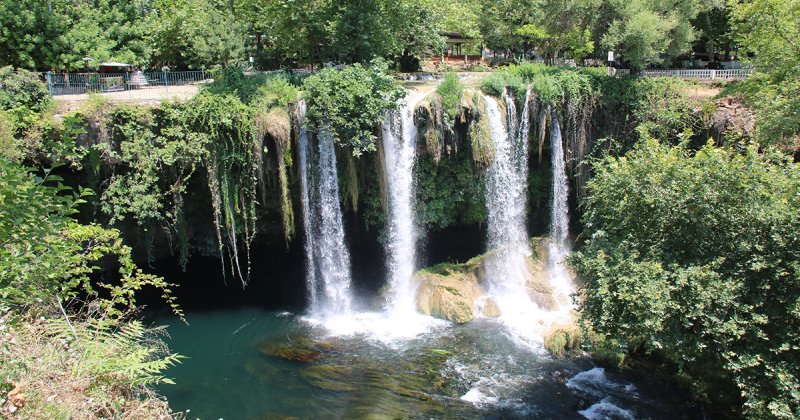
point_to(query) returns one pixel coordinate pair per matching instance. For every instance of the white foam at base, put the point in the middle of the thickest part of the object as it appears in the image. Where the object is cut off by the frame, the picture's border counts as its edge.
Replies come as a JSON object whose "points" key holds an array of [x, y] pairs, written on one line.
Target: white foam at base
{"points": [[478, 398], [595, 384], [606, 409], [387, 327]]}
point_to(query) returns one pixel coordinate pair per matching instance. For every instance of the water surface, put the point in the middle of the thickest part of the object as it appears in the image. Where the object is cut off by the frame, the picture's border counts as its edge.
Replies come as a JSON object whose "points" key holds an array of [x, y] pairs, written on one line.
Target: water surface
{"points": [[249, 363]]}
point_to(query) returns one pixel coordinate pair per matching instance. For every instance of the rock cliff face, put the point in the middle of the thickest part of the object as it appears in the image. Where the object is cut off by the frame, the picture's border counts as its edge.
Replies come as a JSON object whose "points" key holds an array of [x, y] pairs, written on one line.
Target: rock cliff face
{"points": [[458, 292]]}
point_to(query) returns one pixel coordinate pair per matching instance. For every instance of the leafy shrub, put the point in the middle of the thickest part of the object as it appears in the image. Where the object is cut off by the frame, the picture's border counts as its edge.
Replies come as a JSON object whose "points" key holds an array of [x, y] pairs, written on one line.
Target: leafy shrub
{"points": [[96, 370], [698, 254], [351, 103], [659, 104], [8, 145], [265, 90], [527, 71], [47, 255], [776, 103], [450, 91], [98, 363], [22, 89], [551, 85], [494, 84]]}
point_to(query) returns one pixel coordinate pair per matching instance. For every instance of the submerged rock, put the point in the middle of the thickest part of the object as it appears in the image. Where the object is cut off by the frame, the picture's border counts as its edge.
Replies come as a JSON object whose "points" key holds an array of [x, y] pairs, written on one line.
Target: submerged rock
{"points": [[490, 308], [456, 292], [330, 377], [303, 351]]}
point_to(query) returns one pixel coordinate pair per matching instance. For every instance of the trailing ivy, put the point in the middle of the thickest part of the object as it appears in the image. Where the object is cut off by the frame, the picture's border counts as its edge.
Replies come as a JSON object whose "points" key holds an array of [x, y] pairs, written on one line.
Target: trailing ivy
{"points": [[157, 153]]}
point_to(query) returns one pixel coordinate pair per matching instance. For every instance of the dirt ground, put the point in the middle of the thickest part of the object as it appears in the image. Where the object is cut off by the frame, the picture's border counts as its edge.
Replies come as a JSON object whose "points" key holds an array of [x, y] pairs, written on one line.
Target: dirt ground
{"points": [[702, 92], [143, 96]]}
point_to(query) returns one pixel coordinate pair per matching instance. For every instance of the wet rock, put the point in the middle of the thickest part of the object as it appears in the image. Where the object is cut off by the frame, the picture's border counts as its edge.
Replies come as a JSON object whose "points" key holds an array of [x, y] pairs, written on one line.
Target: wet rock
{"points": [[490, 308], [448, 291], [539, 289], [456, 292]]}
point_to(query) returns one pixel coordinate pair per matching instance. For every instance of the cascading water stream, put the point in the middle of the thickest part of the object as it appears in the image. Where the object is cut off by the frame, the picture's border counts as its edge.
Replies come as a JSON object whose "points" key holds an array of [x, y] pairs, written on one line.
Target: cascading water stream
{"points": [[559, 221], [399, 152], [333, 258], [311, 266], [505, 202], [506, 198], [327, 257]]}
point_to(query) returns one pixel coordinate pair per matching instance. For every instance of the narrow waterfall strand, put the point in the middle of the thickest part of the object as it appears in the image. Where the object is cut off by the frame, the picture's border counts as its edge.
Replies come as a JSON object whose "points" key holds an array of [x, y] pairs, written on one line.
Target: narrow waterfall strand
{"points": [[311, 269], [333, 258], [399, 151], [559, 220], [506, 204]]}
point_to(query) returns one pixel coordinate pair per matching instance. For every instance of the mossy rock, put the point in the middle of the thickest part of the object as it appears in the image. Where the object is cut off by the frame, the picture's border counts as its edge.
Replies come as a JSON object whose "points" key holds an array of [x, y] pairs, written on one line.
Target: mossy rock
{"points": [[563, 339], [303, 351], [455, 292], [480, 132], [448, 292]]}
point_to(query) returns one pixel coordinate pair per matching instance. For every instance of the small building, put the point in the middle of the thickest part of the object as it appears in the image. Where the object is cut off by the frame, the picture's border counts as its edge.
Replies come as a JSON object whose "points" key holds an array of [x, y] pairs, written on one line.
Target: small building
{"points": [[455, 42]]}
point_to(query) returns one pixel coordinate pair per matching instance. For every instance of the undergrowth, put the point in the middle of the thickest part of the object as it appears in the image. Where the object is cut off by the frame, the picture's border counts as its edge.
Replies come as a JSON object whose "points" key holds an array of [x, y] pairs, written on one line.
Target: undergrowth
{"points": [[87, 368]]}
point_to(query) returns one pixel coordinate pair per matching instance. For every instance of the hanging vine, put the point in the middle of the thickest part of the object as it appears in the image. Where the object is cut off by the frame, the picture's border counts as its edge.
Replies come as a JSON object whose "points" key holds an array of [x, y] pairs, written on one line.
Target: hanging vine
{"points": [[232, 167]]}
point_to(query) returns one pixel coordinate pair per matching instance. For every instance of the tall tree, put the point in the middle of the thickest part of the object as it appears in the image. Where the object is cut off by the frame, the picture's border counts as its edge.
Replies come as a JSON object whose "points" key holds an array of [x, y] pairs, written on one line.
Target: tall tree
{"points": [[644, 32]]}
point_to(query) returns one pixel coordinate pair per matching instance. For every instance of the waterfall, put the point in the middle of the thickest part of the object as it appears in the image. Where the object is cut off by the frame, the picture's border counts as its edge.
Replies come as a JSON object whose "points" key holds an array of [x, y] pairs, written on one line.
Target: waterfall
{"points": [[399, 152], [399, 320], [559, 221], [332, 255], [506, 196], [311, 266], [327, 258]]}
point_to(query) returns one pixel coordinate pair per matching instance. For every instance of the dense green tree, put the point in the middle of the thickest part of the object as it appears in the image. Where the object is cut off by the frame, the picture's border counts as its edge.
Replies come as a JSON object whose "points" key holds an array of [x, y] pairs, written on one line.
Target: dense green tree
{"points": [[714, 36], [546, 26], [697, 255], [190, 34], [349, 31], [644, 32], [770, 37], [26, 33]]}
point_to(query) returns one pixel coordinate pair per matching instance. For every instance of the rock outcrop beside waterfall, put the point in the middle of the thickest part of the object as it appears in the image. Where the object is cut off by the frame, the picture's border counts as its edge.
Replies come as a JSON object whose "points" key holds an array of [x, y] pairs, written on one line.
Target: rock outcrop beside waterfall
{"points": [[458, 292]]}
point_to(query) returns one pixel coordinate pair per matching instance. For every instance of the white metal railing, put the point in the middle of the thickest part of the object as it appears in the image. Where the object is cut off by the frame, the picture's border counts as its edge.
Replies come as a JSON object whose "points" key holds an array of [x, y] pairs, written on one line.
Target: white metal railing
{"points": [[80, 83], [702, 74]]}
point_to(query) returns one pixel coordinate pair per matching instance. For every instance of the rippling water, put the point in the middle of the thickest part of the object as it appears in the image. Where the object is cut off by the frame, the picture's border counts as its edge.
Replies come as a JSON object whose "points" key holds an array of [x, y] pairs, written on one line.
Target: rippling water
{"points": [[253, 364]]}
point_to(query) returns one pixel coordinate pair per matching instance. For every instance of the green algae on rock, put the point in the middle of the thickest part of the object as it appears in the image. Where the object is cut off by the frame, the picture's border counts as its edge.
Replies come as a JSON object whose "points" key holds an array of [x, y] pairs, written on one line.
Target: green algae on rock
{"points": [[457, 292]]}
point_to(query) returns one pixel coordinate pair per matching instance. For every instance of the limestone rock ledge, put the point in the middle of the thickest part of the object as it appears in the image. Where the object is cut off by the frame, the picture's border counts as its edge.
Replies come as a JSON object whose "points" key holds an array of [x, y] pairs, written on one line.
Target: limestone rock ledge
{"points": [[458, 292]]}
